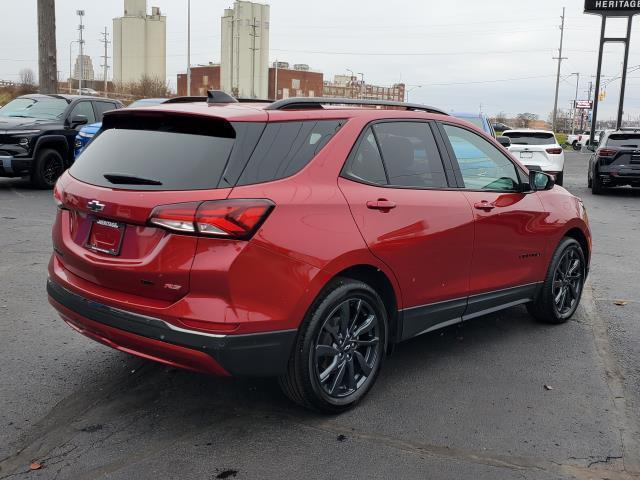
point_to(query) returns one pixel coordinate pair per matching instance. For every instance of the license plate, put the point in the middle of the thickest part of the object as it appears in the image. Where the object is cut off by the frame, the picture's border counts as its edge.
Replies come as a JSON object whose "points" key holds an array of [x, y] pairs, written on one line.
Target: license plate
{"points": [[526, 154], [105, 236]]}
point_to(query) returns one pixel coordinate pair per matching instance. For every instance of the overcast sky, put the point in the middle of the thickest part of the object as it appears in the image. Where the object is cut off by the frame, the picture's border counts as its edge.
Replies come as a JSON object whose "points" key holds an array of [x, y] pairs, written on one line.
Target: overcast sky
{"points": [[465, 54]]}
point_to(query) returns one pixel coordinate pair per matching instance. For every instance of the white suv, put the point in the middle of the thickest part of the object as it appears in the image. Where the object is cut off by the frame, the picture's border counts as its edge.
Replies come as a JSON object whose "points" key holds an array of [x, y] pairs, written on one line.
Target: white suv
{"points": [[538, 150]]}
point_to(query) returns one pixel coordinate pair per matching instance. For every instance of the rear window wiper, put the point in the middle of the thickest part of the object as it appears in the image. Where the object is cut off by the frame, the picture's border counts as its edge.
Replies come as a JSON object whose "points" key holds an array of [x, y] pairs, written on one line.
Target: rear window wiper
{"points": [[125, 179]]}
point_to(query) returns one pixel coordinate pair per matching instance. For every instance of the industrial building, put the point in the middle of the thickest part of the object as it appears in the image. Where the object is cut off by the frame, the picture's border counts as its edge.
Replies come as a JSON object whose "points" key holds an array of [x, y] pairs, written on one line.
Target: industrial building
{"points": [[203, 78], [139, 43], [299, 81], [244, 56], [348, 86]]}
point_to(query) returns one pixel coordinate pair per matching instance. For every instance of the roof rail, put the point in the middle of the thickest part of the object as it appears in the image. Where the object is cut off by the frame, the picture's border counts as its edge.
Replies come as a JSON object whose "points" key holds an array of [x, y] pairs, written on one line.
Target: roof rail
{"points": [[253, 100], [185, 99], [304, 103]]}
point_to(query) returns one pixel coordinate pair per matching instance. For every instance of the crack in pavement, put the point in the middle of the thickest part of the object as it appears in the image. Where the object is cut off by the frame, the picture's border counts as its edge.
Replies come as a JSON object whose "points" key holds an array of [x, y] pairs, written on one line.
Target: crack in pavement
{"points": [[626, 418]]}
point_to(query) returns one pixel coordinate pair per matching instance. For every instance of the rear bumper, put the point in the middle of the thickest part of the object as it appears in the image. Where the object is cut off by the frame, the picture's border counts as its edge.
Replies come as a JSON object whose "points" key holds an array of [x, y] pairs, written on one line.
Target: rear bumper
{"points": [[618, 175], [257, 354]]}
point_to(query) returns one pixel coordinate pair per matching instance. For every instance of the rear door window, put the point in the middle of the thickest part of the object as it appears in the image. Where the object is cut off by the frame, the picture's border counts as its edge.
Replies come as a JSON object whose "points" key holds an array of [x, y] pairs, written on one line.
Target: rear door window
{"points": [[531, 138], [410, 155], [286, 147], [102, 107]]}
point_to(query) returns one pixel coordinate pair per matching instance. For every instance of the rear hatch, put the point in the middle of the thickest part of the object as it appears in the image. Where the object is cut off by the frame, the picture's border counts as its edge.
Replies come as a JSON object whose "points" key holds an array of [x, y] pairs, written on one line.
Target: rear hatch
{"points": [[622, 149], [139, 162], [533, 148]]}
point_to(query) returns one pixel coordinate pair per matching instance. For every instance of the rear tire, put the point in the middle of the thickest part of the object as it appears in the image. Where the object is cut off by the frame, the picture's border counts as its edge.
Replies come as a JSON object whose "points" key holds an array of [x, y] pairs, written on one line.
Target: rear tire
{"points": [[562, 288], [596, 184], [560, 178], [339, 349], [48, 166]]}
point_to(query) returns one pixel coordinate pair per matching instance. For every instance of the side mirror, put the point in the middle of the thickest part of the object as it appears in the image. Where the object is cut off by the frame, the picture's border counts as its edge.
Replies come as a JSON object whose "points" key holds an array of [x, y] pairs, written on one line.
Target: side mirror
{"points": [[504, 141], [78, 120], [540, 181]]}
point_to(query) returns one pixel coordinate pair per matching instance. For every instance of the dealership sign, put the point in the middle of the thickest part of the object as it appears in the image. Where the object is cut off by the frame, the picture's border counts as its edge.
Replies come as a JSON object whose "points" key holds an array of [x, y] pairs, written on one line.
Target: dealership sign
{"points": [[612, 7], [584, 104]]}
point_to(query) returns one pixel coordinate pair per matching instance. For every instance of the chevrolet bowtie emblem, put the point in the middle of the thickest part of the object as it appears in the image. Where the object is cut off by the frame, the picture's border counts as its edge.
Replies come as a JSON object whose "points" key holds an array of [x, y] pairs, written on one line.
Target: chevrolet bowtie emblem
{"points": [[95, 206]]}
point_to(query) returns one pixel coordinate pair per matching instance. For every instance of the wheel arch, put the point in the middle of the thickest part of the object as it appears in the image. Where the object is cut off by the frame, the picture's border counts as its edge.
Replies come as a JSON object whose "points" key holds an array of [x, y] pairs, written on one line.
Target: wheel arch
{"points": [[382, 284], [578, 235], [56, 142]]}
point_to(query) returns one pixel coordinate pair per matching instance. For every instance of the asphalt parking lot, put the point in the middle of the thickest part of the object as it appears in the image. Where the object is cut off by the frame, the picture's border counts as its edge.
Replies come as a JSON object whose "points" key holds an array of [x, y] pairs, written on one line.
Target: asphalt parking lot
{"points": [[500, 397]]}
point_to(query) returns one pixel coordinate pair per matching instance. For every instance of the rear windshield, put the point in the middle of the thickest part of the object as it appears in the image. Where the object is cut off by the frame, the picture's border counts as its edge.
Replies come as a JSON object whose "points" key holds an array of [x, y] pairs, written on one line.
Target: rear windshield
{"points": [[631, 140], [156, 151], [530, 138], [153, 153]]}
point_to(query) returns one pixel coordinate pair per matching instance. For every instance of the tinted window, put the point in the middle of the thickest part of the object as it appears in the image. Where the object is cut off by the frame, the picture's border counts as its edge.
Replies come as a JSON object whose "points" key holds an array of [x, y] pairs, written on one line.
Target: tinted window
{"points": [[631, 140], [530, 138], [410, 155], [84, 108], [286, 147], [366, 162], [482, 165], [168, 154], [102, 107]]}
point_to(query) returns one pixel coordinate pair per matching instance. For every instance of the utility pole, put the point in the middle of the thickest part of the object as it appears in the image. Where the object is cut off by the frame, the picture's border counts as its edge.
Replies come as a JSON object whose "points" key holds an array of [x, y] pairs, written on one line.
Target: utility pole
{"points": [[575, 104], [362, 86], [189, 49], [254, 35], [47, 61], [80, 14], [275, 94], [105, 58], [559, 58]]}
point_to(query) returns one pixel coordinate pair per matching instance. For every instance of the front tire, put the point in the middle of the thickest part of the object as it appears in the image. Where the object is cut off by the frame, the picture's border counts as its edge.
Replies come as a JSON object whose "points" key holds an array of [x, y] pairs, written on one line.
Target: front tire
{"points": [[48, 166], [339, 349], [575, 145], [562, 288]]}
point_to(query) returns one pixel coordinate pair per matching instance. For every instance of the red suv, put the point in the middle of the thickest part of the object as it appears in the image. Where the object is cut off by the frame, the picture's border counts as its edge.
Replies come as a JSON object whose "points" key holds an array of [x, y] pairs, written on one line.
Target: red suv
{"points": [[300, 239]]}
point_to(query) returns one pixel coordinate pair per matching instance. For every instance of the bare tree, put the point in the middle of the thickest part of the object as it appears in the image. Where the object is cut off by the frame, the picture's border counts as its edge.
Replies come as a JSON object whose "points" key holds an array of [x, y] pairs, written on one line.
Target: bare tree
{"points": [[526, 118], [146, 87], [27, 83], [47, 63]]}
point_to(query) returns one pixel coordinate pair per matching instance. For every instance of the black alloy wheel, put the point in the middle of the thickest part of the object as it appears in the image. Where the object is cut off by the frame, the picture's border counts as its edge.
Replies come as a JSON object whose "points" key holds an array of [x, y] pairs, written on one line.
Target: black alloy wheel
{"points": [[346, 348], [568, 280], [561, 290], [49, 165], [339, 349]]}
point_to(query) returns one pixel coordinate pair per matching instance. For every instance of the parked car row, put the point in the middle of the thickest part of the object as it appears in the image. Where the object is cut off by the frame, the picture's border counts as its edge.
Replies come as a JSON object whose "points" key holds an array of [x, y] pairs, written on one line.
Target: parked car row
{"points": [[301, 239]]}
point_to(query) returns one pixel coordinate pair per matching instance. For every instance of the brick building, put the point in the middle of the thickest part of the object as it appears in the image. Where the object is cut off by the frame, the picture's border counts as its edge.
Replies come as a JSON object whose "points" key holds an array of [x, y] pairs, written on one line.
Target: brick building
{"points": [[347, 86], [203, 78], [298, 81]]}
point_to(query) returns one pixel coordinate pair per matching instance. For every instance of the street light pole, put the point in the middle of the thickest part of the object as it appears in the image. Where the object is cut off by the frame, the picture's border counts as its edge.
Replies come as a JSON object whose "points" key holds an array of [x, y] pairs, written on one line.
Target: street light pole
{"points": [[350, 82], [188, 48], [575, 104], [80, 14], [411, 89], [362, 88]]}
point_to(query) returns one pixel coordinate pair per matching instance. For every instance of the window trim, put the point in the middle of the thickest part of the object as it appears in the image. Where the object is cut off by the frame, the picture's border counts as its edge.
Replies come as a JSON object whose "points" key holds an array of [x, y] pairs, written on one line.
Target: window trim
{"points": [[443, 153], [456, 165]]}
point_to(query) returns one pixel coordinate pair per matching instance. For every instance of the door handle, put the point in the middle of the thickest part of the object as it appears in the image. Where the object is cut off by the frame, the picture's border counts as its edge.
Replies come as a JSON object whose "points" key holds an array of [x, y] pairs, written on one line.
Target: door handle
{"points": [[381, 204], [484, 205]]}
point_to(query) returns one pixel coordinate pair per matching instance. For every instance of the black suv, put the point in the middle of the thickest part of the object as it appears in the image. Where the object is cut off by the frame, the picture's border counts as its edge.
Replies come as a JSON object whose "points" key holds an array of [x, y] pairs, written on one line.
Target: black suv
{"points": [[37, 133], [616, 162]]}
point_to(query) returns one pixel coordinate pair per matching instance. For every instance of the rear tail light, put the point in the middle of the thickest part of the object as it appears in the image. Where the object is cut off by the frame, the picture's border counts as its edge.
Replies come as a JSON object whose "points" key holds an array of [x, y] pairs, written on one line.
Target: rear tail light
{"points": [[606, 152], [238, 219], [58, 195], [554, 151]]}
